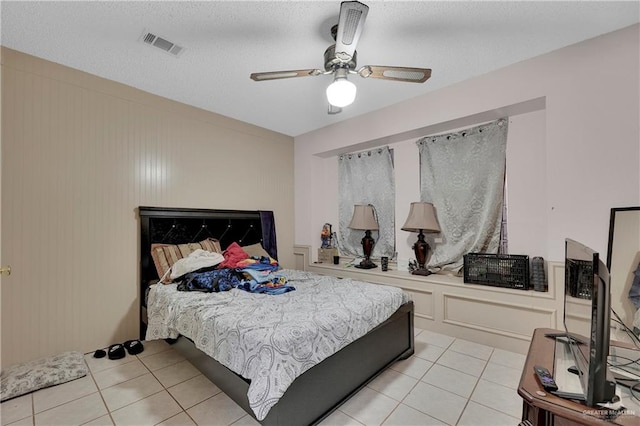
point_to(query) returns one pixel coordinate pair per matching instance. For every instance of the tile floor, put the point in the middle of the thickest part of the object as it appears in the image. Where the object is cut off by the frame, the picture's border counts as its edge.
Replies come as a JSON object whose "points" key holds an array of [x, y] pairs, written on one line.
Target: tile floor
{"points": [[447, 382]]}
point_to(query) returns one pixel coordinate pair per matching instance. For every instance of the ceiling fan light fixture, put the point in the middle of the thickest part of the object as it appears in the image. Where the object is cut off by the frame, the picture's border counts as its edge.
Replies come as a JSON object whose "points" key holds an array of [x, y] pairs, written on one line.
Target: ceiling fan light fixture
{"points": [[340, 60], [341, 92]]}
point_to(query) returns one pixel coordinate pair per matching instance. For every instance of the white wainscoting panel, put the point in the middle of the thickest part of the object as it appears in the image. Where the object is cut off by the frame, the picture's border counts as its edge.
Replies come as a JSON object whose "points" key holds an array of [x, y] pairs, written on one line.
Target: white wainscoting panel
{"points": [[498, 317], [424, 305], [506, 319]]}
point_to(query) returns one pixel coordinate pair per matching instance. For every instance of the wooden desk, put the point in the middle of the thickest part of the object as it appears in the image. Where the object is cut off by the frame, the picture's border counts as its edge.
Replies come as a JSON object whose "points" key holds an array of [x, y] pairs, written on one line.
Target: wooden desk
{"points": [[549, 410]]}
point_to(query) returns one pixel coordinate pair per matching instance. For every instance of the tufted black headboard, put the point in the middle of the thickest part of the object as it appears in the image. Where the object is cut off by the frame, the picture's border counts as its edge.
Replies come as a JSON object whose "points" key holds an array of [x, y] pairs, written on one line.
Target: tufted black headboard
{"points": [[182, 225]]}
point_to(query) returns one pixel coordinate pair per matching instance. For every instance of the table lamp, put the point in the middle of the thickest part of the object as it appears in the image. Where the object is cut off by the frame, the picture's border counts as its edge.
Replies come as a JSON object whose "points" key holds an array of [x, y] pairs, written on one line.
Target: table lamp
{"points": [[422, 218], [364, 219]]}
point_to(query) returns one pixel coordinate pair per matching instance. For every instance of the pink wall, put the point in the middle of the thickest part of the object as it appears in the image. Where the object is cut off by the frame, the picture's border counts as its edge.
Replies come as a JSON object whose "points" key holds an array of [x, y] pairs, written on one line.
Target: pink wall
{"points": [[570, 158]]}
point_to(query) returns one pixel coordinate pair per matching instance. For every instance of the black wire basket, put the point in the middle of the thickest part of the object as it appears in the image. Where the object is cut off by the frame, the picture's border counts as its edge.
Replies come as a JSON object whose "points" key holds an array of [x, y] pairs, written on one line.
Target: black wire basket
{"points": [[498, 270]]}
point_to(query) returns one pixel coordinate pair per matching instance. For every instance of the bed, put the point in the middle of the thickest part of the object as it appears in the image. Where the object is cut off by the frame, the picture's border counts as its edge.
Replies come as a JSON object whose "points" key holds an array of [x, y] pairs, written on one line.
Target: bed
{"points": [[318, 391]]}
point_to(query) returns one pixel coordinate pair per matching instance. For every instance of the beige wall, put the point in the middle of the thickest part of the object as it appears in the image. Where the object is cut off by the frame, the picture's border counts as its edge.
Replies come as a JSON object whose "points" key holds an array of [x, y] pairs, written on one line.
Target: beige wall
{"points": [[79, 154]]}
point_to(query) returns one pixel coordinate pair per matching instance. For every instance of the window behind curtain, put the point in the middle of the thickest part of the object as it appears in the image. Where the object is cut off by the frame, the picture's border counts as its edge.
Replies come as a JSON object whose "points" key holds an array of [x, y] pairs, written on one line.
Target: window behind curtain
{"points": [[462, 174], [367, 178]]}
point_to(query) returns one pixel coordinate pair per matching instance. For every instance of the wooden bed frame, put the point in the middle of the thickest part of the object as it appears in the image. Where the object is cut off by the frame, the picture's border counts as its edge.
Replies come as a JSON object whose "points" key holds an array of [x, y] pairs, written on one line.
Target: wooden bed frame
{"points": [[320, 390]]}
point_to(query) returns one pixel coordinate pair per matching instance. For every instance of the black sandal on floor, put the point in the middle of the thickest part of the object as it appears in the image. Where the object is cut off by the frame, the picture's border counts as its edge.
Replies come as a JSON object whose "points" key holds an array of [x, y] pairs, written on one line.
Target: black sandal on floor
{"points": [[99, 354], [134, 347], [116, 351]]}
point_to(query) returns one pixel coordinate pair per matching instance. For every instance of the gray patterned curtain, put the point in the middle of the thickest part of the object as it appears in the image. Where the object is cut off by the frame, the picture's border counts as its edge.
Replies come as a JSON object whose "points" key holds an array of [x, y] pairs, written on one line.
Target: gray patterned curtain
{"points": [[462, 174], [367, 178]]}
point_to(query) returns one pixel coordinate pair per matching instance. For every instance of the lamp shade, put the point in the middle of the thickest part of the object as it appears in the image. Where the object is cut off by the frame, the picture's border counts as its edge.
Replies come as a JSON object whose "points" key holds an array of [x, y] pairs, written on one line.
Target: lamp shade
{"points": [[422, 216], [363, 218]]}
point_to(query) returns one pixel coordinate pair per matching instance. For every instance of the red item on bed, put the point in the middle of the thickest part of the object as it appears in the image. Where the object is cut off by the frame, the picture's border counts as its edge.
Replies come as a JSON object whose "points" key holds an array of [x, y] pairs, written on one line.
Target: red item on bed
{"points": [[232, 256]]}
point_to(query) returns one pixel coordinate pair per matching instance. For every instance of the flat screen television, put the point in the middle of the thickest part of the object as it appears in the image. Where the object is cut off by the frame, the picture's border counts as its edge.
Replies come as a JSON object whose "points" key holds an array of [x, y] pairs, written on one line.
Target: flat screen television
{"points": [[587, 304]]}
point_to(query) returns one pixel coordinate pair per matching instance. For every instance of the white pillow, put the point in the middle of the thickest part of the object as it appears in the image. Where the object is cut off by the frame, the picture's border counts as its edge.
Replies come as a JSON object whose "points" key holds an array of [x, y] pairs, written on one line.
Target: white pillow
{"points": [[196, 260]]}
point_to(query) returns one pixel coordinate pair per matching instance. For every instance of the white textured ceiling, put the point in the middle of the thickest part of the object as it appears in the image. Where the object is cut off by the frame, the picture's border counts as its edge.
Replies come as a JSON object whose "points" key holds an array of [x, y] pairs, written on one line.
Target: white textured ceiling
{"points": [[228, 40]]}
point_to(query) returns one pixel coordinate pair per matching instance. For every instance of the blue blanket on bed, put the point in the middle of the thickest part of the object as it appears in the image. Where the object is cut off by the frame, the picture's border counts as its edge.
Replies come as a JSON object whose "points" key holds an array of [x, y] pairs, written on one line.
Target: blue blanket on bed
{"points": [[251, 280], [211, 281]]}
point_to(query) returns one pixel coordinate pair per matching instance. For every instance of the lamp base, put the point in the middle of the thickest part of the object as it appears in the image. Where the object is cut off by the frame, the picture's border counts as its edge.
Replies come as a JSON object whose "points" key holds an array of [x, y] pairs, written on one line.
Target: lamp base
{"points": [[421, 249], [366, 264]]}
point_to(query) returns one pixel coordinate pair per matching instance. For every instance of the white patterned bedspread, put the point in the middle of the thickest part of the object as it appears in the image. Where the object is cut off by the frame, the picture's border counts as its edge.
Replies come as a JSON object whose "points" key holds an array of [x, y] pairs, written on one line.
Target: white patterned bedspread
{"points": [[272, 339]]}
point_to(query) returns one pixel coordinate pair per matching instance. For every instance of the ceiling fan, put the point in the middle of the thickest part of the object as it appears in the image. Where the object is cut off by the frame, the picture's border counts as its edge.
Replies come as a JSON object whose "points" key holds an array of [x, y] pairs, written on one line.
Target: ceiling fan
{"points": [[340, 61]]}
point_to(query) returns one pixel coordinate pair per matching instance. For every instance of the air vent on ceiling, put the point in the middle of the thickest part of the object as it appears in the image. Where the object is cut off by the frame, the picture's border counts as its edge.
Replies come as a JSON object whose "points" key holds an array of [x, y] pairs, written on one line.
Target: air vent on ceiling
{"points": [[161, 43]]}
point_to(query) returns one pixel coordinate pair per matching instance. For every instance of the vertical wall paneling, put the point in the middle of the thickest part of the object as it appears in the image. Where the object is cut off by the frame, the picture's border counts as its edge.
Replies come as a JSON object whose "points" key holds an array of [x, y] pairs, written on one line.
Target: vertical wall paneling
{"points": [[79, 154], [1, 259]]}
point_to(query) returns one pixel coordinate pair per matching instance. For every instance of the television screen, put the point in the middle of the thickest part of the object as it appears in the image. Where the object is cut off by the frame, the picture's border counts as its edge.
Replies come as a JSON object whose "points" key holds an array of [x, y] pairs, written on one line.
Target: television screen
{"points": [[586, 320]]}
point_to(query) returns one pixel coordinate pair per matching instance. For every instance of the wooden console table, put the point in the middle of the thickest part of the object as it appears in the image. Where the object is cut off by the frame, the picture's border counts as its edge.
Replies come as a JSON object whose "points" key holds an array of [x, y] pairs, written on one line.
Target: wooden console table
{"points": [[541, 408]]}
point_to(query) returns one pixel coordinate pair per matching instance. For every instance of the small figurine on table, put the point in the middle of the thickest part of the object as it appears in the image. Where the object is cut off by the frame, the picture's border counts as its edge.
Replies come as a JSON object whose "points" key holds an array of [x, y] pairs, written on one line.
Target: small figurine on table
{"points": [[326, 236]]}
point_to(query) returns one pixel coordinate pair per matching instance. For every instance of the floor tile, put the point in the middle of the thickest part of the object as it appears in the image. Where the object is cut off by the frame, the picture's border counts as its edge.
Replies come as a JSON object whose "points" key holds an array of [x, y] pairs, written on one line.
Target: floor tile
{"points": [[428, 351], [247, 420], [393, 384], [414, 366], [149, 411], [417, 331], [16, 409], [131, 391], [498, 397], [193, 391], [369, 407], [509, 359], [152, 347], [451, 380], [465, 363], [47, 398], [27, 421], [434, 338], [435, 402], [181, 419], [473, 349], [100, 421], [338, 418], [479, 415], [219, 410], [162, 359], [119, 374], [502, 375], [76, 412], [160, 387], [99, 364], [176, 373], [404, 415]]}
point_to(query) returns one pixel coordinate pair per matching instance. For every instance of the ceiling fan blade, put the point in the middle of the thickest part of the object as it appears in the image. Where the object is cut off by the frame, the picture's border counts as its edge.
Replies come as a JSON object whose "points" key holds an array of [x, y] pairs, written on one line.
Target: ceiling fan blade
{"points": [[350, 23], [407, 74], [276, 75]]}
